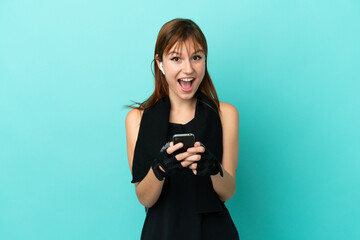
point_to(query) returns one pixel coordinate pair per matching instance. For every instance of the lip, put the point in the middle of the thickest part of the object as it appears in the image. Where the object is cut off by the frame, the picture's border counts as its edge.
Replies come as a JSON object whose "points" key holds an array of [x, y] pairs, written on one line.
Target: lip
{"points": [[188, 89]]}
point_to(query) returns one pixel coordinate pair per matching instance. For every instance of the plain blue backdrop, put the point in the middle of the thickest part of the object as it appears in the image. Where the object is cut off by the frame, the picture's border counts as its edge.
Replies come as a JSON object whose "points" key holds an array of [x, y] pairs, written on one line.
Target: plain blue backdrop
{"points": [[67, 68]]}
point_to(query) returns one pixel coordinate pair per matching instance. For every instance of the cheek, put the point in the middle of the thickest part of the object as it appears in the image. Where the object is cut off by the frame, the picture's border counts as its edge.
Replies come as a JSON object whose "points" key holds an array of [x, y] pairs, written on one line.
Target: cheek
{"points": [[170, 78], [201, 66], [201, 70], [169, 82], [172, 72]]}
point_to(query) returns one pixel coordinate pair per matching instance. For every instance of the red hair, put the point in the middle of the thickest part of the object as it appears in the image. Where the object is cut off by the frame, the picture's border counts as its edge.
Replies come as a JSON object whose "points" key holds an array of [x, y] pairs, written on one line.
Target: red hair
{"points": [[176, 32]]}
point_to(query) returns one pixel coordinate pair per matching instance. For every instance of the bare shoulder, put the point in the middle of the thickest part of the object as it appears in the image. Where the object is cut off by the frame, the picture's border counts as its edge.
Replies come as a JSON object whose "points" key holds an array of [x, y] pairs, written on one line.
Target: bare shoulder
{"points": [[230, 125], [132, 122], [132, 125], [228, 112], [134, 115]]}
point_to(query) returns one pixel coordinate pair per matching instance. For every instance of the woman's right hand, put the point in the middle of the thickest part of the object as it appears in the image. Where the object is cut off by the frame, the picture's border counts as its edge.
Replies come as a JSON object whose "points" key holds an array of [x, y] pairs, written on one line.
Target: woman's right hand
{"points": [[166, 163]]}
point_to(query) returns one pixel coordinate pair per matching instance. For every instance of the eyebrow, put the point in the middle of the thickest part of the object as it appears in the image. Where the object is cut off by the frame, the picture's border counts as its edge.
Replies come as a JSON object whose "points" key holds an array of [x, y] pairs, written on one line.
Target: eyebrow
{"points": [[174, 52]]}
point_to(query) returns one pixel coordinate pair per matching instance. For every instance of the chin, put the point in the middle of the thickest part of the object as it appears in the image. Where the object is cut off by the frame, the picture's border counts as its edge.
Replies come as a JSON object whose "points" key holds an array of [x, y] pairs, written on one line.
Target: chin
{"points": [[187, 96]]}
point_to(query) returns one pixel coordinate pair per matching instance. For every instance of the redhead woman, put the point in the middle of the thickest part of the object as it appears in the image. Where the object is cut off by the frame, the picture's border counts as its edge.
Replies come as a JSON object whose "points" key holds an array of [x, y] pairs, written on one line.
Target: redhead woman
{"points": [[183, 187]]}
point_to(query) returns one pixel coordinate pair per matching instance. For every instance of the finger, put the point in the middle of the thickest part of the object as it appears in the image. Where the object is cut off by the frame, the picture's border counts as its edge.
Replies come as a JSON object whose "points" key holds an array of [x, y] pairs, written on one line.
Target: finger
{"points": [[183, 155], [185, 163], [193, 166], [175, 147], [198, 149], [194, 171], [193, 158]]}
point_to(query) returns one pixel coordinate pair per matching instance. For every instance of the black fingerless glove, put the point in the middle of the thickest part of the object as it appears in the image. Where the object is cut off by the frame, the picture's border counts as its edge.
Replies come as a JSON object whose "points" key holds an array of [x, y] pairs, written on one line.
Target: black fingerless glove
{"points": [[167, 161], [208, 164]]}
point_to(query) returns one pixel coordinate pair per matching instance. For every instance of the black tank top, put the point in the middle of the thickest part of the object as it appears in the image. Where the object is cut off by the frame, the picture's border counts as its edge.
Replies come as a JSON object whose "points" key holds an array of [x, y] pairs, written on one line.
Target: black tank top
{"points": [[188, 207], [176, 203], [180, 187], [174, 216]]}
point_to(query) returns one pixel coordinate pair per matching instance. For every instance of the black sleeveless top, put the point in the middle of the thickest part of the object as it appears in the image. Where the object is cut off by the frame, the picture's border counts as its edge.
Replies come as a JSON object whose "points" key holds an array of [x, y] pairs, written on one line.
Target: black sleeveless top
{"points": [[153, 134], [174, 215]]}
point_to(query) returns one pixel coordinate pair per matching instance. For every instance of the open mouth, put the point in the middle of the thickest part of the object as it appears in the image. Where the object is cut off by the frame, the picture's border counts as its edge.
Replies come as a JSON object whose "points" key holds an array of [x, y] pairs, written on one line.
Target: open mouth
{"points": [[186, 84]]}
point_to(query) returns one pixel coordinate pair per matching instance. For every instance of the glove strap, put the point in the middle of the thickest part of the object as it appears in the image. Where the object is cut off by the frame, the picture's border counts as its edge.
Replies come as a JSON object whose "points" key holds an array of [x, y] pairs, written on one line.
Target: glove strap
{"points": [[159, 174], [220, 168], [217, 163]]}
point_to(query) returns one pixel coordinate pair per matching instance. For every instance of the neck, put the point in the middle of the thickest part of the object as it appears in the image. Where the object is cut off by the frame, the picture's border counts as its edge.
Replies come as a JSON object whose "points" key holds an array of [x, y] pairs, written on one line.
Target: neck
{"points": [[180, 105]]}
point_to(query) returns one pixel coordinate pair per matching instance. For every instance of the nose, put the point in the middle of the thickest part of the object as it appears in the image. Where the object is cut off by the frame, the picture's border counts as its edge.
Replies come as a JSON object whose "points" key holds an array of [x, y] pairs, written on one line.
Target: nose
{"points": [[188, 68]]}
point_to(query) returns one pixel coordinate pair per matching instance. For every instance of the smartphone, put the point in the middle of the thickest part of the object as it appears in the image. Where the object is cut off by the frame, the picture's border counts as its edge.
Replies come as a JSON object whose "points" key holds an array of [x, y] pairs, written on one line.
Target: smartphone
{"points": [[188, 139]]}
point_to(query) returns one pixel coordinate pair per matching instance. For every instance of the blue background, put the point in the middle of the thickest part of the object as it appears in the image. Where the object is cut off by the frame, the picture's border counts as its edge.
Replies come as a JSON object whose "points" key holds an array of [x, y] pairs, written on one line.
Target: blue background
{"points": [[291, 68]]}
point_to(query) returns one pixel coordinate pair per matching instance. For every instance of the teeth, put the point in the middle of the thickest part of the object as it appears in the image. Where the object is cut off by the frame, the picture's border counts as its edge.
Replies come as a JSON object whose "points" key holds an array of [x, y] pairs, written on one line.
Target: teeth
{"points": [[186, 79]]}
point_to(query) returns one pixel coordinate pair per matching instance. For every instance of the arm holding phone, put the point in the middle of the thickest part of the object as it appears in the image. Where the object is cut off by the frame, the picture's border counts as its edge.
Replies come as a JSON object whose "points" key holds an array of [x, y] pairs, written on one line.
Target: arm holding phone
{"points": [[148, 190], [225, 186]]}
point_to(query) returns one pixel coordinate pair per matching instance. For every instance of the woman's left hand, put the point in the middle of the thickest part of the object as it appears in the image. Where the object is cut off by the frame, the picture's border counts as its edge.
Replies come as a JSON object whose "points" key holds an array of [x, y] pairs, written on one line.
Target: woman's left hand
{"points": [[208, 163], [194, 150]]}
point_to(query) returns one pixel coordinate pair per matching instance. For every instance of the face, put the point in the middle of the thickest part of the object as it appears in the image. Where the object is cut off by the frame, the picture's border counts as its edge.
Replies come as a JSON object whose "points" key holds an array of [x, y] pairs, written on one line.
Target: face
{"points": [[184, 70]]}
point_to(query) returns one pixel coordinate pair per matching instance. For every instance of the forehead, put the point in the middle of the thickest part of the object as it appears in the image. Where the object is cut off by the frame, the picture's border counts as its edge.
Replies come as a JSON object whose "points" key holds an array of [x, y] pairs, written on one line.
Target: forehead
{"points": [[185, 47]]}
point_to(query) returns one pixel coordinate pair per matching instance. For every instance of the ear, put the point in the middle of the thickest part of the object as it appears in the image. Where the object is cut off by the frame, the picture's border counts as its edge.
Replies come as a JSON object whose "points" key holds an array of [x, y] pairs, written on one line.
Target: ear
{"points": [[157, 60]]}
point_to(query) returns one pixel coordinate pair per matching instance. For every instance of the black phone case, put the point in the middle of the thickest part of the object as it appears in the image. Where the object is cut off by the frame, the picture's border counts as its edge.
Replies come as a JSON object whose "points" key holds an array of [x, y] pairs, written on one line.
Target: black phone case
{"points": [[188, 139]]}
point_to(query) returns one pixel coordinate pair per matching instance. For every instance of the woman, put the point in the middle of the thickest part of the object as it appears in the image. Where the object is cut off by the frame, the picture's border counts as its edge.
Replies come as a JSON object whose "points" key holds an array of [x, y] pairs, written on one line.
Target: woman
{"points": [[183, 191]]}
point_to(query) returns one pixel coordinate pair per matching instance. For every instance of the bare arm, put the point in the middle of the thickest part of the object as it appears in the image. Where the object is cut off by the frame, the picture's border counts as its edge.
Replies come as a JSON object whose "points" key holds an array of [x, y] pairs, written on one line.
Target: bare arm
{"points": [[225, 186], [148, 190]]}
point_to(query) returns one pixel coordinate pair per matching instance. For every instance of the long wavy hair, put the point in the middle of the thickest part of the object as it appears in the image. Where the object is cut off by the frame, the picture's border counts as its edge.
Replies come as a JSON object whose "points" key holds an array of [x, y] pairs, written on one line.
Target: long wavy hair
{"points": [[177, 31]]}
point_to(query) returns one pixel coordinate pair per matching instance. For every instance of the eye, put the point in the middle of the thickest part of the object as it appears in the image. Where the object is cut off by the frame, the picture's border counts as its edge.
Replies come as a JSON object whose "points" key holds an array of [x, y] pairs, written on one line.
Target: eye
{"points": [[197, 57], [176, 59]]}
